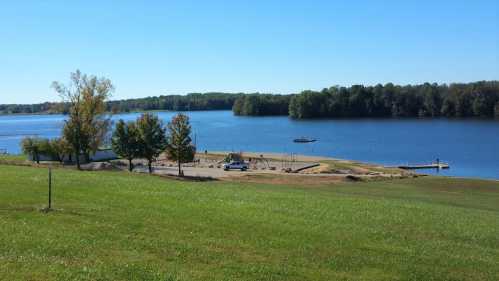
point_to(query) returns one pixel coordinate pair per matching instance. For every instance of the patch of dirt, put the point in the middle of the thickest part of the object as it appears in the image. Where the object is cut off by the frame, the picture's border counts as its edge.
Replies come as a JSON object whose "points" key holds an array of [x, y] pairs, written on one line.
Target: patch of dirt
{"points": [[99, 166]]}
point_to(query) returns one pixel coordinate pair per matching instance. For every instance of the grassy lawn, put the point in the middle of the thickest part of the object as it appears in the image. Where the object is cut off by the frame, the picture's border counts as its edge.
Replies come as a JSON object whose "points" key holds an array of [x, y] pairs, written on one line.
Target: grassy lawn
{"points": [[13, 159], [120, 226]]}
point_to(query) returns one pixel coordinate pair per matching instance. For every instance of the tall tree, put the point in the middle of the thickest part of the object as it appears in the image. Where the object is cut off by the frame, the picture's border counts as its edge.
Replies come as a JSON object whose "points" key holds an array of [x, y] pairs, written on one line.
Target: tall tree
{"points": [[87, 125], [179, 145], [152, 139], [125, 141]]}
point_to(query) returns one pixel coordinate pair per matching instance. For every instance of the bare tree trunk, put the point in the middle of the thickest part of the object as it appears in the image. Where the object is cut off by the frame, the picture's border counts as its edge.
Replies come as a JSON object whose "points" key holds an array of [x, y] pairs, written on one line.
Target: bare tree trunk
{"points": [[149, 163], [78, 166], [179, 164], [77, 149], [130, 165]]}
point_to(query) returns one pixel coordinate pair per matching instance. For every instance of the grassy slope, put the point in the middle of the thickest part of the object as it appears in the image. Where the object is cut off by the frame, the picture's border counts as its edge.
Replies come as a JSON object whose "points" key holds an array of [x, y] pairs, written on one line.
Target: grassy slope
{"points": [[118, 226]]}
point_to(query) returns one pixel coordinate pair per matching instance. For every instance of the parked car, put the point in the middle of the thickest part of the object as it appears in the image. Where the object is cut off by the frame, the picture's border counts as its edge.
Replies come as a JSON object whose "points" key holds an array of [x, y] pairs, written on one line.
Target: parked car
{"points": [[236, 165]]}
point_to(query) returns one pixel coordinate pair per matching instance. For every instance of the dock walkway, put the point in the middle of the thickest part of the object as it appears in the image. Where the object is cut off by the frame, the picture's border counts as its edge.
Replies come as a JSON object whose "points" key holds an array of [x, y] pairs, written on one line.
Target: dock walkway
{"points": [[425, 166]]}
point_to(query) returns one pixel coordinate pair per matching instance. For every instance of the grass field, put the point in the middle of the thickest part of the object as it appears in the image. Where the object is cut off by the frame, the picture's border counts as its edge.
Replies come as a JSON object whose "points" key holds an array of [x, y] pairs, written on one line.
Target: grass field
{"points": [[120, 226]]}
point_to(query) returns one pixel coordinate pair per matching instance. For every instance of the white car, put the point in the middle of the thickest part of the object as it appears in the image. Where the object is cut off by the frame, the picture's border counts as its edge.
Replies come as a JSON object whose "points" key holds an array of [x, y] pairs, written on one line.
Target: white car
{"points": [[235, 165]]}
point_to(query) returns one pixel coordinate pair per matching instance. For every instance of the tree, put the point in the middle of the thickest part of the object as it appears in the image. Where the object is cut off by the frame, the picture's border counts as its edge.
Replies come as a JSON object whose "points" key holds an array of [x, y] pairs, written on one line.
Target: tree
{"points": [[31, 146], [237, 108], [432, 100], [86, 126], [179, 147], [152, 139], [44, 147], [59, 148], [125, 141], [261, 105], [480, 105]]}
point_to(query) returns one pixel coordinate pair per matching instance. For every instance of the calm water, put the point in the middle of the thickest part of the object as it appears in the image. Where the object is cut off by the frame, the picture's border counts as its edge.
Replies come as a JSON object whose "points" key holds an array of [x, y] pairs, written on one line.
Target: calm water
{"points": [[471, 147]]}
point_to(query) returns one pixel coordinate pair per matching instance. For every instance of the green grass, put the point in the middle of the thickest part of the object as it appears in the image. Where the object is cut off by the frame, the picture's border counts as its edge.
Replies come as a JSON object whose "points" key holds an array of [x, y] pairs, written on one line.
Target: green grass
{"points": [[13, 159], [120, 226]]}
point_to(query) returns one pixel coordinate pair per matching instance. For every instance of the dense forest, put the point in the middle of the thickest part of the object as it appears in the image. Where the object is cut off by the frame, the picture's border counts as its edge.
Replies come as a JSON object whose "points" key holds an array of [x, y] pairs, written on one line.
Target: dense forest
{"points": [[194, 101], [479, 99], [46, 107], [262, 104]]}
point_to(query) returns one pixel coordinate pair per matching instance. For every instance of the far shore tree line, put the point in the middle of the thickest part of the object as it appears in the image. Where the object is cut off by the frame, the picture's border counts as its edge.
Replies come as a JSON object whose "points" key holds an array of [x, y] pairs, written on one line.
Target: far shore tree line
{"points": [[479, 99], [87, 127], [458, 100], [189, 102], [262, 105]]}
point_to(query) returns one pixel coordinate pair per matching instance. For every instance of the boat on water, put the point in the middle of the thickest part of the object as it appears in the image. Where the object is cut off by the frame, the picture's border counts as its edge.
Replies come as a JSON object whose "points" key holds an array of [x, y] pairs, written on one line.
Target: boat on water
{"points": [[304, 140]]}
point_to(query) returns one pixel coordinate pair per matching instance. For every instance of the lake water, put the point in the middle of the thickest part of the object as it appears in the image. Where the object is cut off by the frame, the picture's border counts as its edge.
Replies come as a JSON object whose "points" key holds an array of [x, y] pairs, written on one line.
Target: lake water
{"points": [[471, 147]]}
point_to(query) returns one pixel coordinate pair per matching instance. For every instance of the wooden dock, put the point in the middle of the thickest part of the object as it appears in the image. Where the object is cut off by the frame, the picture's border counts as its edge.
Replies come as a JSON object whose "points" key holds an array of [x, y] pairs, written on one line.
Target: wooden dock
{"points": [[425, 166]]}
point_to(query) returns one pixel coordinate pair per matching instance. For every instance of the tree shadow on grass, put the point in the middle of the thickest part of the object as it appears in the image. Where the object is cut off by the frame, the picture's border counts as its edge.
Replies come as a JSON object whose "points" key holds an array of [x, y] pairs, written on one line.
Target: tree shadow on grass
{"points": [[188, 178]]}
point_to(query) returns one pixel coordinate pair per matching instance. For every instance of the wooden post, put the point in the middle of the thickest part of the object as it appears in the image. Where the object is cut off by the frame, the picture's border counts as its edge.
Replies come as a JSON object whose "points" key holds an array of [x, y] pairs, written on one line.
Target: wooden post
{"points": [[50, 188]]}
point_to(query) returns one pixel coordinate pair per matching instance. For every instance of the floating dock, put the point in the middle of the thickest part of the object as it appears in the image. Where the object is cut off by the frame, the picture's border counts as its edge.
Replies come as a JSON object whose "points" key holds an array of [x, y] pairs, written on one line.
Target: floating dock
{"points": [[425, 166]]}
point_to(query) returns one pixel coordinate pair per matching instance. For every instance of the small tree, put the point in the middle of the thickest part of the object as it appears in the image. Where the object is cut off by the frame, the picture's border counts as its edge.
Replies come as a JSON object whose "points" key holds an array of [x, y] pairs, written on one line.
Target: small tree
{"points": [[152, 139], [60, 148], [44, 147], [179, 147], [31, 146], [125, 141]]}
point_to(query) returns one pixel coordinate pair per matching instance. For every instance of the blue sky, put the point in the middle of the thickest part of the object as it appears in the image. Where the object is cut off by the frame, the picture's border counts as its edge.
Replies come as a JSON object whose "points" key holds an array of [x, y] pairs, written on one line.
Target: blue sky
{"points": [[174, 47]]}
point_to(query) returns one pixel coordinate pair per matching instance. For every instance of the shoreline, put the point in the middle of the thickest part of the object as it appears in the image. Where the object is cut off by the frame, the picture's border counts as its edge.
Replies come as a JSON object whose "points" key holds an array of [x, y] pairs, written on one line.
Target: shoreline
{"points": [[329, 167], [354, 165], [113, 113], [493, 118], [276, 156], [312, 158]]}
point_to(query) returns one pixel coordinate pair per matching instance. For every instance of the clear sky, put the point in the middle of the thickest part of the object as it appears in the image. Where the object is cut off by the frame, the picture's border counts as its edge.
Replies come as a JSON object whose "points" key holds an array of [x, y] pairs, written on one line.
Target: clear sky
{"points": [[174, 47]]}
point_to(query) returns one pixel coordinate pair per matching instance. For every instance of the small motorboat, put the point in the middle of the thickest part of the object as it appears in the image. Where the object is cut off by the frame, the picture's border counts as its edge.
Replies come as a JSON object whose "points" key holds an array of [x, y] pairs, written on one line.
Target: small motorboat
{"points": [[304, 140]]}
